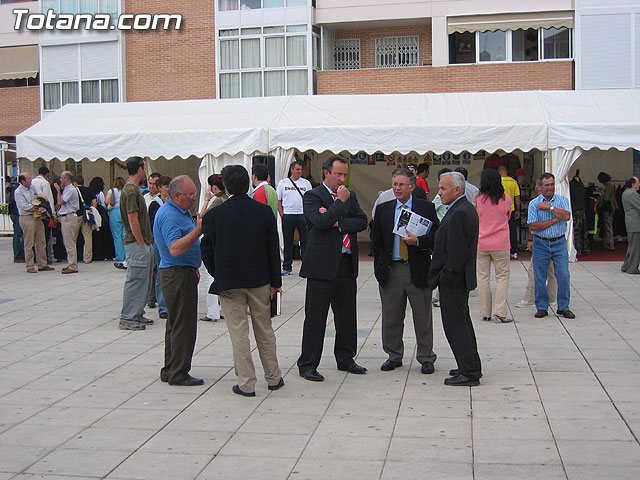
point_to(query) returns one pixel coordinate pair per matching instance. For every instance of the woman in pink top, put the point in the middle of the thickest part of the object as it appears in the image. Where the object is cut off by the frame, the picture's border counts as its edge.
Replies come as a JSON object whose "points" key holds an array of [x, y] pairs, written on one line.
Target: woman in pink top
{"points": [[494, 210]]}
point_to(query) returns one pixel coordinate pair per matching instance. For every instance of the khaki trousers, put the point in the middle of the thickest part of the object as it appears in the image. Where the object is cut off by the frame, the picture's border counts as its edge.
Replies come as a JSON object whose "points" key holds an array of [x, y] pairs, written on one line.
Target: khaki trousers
{"points": [[500, 259], [33, 234], [68, 223], [234, 304], [552, 284], [393, 295], [87, 233]]}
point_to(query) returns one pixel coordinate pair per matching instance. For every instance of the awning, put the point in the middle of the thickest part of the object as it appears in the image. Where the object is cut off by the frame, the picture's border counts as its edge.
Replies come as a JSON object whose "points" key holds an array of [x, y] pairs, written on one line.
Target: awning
{"points": [[18, 62], [434, 122], [510, 21]]}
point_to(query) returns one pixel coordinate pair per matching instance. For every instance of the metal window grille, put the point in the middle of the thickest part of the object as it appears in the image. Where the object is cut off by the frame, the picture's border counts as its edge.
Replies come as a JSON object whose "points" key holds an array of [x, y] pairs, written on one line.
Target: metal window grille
{"points": [[347, 54], [396, 52]]}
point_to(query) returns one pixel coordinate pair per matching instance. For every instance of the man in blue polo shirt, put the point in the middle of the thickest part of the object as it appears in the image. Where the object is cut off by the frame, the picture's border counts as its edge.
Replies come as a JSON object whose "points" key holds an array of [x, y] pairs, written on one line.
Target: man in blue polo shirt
{"points": [[548, 216], [178, 241]]}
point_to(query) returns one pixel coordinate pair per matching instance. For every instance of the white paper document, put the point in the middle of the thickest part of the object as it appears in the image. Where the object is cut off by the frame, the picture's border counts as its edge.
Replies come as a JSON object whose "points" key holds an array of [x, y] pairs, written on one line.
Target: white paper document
{"points": [[413, 222]]}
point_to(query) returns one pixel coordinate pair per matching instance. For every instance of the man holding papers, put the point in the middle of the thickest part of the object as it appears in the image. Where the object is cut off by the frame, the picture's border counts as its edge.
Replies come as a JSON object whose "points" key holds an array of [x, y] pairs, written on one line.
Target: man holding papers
{"points": [[402, 236]]}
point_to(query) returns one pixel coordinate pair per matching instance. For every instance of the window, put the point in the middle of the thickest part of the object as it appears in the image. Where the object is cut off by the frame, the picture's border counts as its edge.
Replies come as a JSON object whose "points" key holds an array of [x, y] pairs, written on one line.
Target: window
{"points": [[523, 45], [347, 54], [273, 3], [256, 61], [296, 3], [82, 6], [556, 43], [249, 4], [396, 52], [492, 46], [225, 5], [56, 95]]}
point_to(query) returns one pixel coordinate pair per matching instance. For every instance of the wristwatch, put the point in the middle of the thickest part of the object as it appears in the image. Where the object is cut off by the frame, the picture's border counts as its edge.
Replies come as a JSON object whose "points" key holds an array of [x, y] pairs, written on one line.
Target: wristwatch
{"points": [[551, 208]]}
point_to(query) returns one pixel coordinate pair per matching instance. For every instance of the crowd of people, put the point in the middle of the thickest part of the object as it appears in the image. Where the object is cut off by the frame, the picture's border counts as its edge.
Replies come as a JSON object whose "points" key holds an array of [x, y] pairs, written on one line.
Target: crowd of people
{"points": [[463, 231]]}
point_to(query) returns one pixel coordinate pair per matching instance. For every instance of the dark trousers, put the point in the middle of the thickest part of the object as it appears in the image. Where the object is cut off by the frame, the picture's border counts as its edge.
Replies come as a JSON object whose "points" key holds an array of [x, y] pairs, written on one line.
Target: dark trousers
{"points": [[340, 294], [18, 241], [513, 232], [180, 288], [454, 308], [289, 225]]}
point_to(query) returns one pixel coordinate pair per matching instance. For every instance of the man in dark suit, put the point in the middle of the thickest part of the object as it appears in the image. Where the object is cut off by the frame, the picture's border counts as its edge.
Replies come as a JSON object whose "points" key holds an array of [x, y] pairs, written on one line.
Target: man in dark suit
{"points": [[453, 269], [240, 249], [401, 266], [330, 265]]}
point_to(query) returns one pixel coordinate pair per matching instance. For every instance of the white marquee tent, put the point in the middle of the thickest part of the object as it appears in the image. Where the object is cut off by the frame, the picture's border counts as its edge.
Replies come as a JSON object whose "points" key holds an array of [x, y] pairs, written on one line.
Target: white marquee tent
{"points": [[220, 132]]}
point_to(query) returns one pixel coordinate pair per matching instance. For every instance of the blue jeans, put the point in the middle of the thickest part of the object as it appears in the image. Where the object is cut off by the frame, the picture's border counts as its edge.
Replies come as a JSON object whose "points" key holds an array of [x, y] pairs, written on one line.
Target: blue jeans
{"points": [[543, 253], [18, 242], [117, 232], [289, 224], [162, 305]]}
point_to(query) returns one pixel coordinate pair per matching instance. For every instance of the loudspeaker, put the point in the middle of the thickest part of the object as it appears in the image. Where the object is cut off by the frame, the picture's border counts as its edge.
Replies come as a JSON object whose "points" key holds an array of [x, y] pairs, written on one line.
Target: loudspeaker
{"points": [[270, 162]]}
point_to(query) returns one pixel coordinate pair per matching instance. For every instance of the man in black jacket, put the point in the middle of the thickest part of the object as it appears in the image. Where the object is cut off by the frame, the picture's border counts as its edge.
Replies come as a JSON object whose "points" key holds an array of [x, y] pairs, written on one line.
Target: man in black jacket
{"points": [[240, 249], [401, 266], [453, 269], [330, 265]]}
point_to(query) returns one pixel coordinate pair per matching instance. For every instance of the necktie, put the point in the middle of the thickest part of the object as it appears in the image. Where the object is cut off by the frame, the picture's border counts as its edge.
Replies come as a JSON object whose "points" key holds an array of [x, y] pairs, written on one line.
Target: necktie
{"points": [[404, 252], [346, 241]]}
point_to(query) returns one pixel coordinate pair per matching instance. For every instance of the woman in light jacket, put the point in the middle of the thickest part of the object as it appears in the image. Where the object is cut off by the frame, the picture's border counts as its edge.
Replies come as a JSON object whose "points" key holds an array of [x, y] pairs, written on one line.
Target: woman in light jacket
{"points": [[494, 209], [115, 220]]}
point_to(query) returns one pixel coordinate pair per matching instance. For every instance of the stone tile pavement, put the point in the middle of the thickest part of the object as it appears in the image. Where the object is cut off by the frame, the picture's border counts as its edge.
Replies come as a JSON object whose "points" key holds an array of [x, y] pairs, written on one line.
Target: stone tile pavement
{"points": [[81, 399]]}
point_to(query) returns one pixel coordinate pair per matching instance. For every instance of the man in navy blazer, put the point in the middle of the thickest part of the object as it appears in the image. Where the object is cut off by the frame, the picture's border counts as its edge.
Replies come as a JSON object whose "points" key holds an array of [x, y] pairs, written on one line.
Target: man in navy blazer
{"points": [[330, 264], [401, 266], [453, 269], [241, 251]]}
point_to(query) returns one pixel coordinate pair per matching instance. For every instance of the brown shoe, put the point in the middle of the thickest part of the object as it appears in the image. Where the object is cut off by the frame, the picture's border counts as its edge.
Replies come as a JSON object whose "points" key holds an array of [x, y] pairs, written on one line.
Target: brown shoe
{"points": [[46, 269], [68, 270], [19, 260], [566, 313], [32, 270], [540, 314]]}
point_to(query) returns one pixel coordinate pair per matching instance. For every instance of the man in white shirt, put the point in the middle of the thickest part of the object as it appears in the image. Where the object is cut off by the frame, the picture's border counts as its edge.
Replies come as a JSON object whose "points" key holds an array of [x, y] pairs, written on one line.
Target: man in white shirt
{"points": [[290, 191], [32, 228], [41, 186], [67, 206], [153, 189]]}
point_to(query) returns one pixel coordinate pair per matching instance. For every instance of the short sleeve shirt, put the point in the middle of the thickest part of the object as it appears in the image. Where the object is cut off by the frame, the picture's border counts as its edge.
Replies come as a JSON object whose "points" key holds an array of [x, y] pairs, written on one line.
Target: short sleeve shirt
{"points": [[131, 200], [534, 215], [511, 188], [171, 224], [289, 196]]}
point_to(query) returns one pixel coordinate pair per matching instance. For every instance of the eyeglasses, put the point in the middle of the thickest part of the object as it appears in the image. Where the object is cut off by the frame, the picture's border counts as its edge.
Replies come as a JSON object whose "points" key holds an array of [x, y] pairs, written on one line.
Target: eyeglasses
{"points": [[400, 185], [192, 195]]}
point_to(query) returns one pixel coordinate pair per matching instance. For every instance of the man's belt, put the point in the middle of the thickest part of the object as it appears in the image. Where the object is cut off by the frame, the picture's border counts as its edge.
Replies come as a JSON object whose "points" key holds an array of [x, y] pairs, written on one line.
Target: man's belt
{"points": [[553, 239]]}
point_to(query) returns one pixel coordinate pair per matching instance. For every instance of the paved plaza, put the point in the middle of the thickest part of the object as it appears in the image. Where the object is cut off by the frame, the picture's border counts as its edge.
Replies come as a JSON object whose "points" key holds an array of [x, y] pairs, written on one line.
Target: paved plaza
{"points": [[81, 399]]}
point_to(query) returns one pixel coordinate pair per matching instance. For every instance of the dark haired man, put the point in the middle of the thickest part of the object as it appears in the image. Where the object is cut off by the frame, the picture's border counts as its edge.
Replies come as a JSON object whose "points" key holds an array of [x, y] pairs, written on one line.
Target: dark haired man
{"points": [[422, 172], [631, 204], [87, 199], [262, 191], [290, 197], [548, 216], [138, 243], [41, 186], [240, 250], [330, 265]]}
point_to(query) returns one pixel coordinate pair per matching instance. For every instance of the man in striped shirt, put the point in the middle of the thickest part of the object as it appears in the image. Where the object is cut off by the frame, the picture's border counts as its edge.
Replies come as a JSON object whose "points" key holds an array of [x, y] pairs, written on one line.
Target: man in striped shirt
{"points": [[548, 217]]}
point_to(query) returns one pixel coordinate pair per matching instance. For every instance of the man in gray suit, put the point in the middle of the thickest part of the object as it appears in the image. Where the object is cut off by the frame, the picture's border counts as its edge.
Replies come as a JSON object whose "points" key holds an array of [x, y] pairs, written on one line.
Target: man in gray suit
{"points": [[631, 205]]}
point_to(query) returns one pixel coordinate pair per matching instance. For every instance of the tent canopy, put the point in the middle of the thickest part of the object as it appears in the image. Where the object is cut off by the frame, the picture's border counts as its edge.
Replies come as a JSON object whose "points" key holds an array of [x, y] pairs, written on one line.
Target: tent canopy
{"points": [[452, 122]]}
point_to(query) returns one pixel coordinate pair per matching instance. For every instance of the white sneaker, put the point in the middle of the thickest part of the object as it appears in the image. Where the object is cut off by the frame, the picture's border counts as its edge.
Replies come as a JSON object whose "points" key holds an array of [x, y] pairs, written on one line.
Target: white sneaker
{"points": [[524, 304]]}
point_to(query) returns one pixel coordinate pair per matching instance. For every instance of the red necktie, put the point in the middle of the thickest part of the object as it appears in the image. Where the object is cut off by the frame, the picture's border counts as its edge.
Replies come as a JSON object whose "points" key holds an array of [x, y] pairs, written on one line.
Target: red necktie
{"points": [[346, 241]]}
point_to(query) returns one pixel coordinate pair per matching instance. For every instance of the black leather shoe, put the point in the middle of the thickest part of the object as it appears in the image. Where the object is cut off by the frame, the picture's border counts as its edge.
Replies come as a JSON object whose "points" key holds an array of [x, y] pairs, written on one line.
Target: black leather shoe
{"points": [[353, 368], [566, 313], [312, 375], [454, 372], [278, 386], [236, 389], [541, 313], [427, 368], [390, 365], [188, 382], [461, 381]]}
